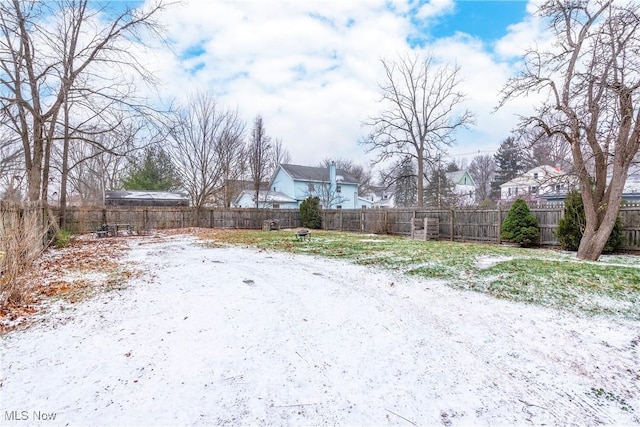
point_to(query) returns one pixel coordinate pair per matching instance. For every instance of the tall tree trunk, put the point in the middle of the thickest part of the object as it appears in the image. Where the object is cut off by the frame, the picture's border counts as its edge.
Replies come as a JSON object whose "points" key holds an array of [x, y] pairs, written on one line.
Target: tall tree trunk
{"points": [[420, 182], [601, 212], [65, 168]]}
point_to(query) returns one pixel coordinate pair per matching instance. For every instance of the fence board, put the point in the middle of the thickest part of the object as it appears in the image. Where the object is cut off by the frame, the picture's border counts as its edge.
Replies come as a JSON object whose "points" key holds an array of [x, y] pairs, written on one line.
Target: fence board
{"points": [[466, 224]]}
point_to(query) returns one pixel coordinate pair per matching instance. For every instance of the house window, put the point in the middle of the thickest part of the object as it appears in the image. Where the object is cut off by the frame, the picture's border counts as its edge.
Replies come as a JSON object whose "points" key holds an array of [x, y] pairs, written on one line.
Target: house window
{"points": [[339, 207], [533, 190], [276, 206], [338, 188], [274, 188], [535, 175]]}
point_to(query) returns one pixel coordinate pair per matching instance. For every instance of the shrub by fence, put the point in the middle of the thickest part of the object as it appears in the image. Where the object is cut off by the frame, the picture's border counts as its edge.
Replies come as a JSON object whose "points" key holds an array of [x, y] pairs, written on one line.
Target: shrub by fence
{"points": [[464, 224]]}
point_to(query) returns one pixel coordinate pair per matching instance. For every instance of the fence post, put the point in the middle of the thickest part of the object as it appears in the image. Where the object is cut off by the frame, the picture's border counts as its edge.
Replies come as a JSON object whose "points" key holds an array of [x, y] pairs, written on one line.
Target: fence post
{"points": [[451, 225], [499, 226], [144, 219]]}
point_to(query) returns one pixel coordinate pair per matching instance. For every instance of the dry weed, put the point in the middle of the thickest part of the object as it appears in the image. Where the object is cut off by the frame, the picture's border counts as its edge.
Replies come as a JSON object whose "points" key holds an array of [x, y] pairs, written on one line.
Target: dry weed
{"points": [[23, 233]]}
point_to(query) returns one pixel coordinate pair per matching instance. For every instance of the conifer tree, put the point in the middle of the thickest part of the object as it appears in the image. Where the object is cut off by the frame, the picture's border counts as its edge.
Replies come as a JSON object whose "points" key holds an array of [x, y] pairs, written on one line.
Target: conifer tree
{"points": [[509, 163]]}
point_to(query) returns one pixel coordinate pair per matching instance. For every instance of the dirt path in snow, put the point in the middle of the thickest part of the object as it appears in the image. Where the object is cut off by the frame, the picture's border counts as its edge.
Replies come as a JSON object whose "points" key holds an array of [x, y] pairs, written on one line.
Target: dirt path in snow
{"points": [[237, 336]]}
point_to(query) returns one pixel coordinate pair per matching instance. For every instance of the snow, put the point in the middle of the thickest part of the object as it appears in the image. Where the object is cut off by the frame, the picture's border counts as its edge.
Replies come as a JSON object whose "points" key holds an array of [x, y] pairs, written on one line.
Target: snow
{"points": [[485, 262], [239, 336]]}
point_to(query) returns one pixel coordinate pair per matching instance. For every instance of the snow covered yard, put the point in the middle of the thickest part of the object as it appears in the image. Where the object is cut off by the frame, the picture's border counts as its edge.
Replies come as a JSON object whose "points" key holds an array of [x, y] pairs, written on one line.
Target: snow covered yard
{"points": [[230, 335]]}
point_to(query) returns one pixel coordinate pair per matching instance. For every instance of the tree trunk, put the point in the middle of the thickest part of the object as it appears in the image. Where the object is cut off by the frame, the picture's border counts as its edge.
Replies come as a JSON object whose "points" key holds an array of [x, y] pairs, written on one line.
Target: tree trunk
{"points": [[420, 182], [593, 242], [599, 223], [65, 169]]}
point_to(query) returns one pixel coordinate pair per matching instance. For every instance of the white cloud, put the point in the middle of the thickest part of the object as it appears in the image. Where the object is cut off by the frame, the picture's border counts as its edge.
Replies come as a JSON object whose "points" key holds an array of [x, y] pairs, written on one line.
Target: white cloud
{"points": [[522, 35], [435, 8], [311, 68]]}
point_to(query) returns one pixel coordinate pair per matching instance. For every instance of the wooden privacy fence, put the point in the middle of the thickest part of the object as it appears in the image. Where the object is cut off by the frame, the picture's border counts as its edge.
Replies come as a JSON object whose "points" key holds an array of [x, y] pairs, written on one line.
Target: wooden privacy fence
{"points": [[89, 218], [464, 224]]}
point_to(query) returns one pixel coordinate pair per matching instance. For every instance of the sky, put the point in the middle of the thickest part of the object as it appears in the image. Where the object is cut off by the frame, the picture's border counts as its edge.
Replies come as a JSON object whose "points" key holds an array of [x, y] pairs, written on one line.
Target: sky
{"points": [[312, 68]]}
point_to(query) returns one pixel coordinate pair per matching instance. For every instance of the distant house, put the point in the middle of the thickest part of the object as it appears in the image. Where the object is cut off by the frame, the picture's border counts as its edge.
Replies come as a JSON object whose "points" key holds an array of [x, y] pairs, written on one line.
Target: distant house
{"points": [[463, 187], [266, 200], [382, 196], [144, 198], [537, 184], [335, 188], [630, 192]]}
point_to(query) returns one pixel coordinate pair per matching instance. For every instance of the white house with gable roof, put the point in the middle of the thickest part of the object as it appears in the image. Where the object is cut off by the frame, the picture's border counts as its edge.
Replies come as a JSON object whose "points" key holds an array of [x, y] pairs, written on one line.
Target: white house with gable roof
{"points": [[541, 180]]}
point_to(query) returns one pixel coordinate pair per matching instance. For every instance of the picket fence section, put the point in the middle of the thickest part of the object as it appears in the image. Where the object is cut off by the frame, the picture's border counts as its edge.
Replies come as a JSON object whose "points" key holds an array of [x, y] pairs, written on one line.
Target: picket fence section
{"points": [[461, 224]]}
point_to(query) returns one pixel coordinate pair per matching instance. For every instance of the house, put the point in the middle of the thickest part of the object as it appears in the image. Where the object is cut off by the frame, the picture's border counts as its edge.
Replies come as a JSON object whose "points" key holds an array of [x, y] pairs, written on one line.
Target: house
{"points": [[537, 184], [144, 198], [463, 187], [382, 196], [630, 192], [266, 200], [336, 188]]}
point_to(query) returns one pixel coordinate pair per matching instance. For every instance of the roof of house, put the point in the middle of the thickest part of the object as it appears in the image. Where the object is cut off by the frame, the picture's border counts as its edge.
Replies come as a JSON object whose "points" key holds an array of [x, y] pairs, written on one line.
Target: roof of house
{"points": [[267, 196], [632, 184], [317, 174], [545, 172], [144, 194], [247, 184], [457, 176]]}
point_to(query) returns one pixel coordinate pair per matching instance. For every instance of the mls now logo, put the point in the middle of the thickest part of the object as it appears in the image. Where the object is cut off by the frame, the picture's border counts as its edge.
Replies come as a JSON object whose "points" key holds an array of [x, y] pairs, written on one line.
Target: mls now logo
{"points": [[26, 416]]}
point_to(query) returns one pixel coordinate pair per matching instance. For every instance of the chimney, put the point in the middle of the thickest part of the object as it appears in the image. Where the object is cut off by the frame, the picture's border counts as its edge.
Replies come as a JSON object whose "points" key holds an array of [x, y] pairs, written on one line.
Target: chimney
{"points": [[332, 176]]}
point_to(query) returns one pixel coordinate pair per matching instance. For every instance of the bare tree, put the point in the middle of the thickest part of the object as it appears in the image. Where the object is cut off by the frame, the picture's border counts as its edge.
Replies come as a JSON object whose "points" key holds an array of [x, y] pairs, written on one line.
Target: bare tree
{"points": [[232, 159], [482, 169], [591, 77], [401, 177], [196, 132], [422, 109], [281, 154], [539, 149], [10, 156], [260, 156], [46, 49], [95, 164], [93, 170], [362, 175]]}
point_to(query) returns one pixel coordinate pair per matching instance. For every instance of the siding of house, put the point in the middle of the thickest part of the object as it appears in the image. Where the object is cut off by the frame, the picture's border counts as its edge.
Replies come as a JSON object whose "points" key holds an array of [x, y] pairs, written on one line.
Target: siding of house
{"points": [[543, 180], [267, 200], [283, 183], [299, 188]]}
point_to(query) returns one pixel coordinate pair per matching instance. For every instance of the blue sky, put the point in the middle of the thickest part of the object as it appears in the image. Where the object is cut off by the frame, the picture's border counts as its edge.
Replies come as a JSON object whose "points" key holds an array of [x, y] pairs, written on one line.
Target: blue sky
{"points": [[312, 68], [486, 19]]}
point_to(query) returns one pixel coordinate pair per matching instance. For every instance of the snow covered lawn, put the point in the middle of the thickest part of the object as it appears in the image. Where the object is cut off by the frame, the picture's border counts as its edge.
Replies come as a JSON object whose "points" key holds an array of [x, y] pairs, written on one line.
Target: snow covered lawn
{"points": [[229, 335]]}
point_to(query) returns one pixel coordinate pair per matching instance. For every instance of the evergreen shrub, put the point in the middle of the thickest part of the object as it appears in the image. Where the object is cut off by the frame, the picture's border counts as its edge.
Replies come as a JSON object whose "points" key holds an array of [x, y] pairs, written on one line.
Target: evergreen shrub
{"points": [[310, 216], [520, 226]]}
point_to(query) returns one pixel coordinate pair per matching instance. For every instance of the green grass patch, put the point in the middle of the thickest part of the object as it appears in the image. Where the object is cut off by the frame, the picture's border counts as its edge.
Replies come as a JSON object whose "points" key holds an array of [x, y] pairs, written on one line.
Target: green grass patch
{"points": [[537, 276]]}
